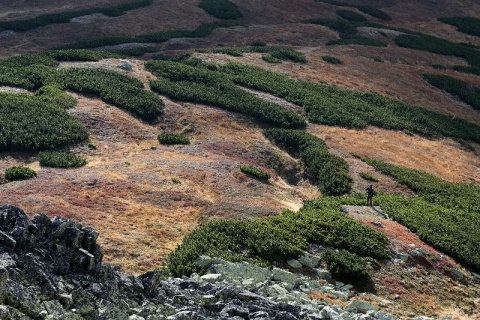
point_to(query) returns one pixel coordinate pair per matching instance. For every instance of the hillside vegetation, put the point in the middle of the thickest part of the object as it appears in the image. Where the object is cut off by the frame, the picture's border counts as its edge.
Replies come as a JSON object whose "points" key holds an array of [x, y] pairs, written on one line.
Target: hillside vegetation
{"points": [[277, 238], [65, 17], [444, 214]]}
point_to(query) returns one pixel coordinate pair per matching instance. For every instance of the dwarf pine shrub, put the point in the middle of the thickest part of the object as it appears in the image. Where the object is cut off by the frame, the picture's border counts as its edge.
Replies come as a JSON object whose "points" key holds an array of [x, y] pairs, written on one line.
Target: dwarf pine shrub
{"points": [[254, 171], [19, 173], [172, 138], [332, 60], [56, 159]]}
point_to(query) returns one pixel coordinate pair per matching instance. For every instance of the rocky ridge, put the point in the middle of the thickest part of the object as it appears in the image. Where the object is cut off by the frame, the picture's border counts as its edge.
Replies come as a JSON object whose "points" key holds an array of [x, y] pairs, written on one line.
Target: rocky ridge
{"points": [[52, 269]]}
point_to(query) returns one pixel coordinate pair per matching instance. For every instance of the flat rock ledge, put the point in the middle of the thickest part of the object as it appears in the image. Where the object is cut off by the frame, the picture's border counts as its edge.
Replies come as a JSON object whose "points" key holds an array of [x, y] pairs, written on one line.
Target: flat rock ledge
{"points": [[52, 269]]}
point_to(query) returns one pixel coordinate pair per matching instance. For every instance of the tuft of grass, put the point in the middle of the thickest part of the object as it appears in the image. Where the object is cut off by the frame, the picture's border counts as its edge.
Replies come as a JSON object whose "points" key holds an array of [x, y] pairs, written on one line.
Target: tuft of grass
{"points": [[56, 159], [270, 59], [254, 171], [332, 60], [367, 176], [172, 138], [19, 173]]}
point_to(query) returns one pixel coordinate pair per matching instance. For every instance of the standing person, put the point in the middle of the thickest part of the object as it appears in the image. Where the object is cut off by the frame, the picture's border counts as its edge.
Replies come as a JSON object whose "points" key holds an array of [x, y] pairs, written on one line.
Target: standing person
{"points": [[370, 192]]}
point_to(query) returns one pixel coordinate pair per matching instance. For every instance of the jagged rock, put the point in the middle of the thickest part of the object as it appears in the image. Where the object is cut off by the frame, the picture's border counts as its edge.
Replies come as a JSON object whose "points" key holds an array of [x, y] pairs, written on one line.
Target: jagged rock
{"points": [[232, 310], [284, 276], [309, 260], [54, 271], [360, 306], [241, 271], [205, 262], [323, 274], [151, 280]]}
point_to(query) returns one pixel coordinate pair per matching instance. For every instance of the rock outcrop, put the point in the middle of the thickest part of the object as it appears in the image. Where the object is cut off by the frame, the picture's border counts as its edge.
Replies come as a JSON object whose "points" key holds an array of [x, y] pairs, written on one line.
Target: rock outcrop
{"points": [[52, 269]]}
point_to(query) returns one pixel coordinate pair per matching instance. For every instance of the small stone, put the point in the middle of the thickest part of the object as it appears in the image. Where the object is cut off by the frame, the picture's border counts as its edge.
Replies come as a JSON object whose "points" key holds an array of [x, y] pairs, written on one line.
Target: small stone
{"points": [[125, 66], [360, 306], [212, 277], [377, 224], [284, 276], [457, 273], [89, 263], [66, 300], [309, 260], [294, 263], [323, 274]]}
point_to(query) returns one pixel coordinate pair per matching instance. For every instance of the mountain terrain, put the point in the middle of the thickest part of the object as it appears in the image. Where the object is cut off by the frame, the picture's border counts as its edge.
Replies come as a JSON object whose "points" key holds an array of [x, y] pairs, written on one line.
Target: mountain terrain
{"points": [[362, 86]]}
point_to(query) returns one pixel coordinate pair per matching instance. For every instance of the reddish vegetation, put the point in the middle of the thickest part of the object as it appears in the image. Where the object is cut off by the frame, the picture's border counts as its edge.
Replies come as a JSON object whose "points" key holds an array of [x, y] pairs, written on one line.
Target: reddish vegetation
{"points": [[127, 193]]}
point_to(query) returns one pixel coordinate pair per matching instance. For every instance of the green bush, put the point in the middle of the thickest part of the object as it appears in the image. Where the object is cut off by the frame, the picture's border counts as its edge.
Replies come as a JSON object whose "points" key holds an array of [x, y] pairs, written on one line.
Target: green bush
{"points": [[364, 41], [52, 95], [345, 265], [465, 91], [254, 171], [332, 60], [334, 106], [464, 69], [136, 52], [112, 87], [468, 25], [328, 170], [222, 9], [258, 44], [341, 26], [374, 12], [19, 173], [276, 53], [65, 17], [439, 46], [439, 66], [172, 138], [202, 30], [79, 55], [200, 85], [367, 176], [270, 59], [234, 52], [28, 123], [351, 16], [56, 159]]}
